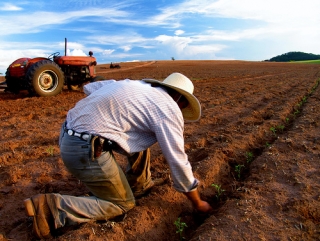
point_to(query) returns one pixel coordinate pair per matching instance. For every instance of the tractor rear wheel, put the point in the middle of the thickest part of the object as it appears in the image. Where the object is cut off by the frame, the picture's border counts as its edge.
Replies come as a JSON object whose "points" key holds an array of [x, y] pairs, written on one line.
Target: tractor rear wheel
{"points": [[45, 78], [13, 84]]}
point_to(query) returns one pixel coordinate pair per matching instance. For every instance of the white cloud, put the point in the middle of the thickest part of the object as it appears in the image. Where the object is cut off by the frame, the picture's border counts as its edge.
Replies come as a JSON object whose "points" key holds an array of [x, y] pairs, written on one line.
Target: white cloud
{"points": [[269, 11], [107, 52], [75, 52], [185, 48], [276, 18], [168, 16], [124, 39], [73, 45], [179, 32], [9, 7], [174, 40], [233, 35], [29, 23], [126, 48]]}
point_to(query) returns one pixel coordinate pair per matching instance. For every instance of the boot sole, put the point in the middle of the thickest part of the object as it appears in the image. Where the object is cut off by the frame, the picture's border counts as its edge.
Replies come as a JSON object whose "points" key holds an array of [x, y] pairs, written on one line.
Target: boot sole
{"points": [[31, 212]]}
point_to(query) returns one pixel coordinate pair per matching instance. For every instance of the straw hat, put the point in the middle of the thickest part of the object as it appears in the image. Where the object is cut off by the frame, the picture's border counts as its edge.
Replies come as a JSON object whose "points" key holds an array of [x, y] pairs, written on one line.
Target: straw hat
{"points": [[184, 86]]}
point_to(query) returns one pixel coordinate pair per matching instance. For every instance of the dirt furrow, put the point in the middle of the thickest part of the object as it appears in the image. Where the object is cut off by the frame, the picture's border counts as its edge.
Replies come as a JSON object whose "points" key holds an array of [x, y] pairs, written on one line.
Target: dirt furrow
{"points": [[281, 195]]}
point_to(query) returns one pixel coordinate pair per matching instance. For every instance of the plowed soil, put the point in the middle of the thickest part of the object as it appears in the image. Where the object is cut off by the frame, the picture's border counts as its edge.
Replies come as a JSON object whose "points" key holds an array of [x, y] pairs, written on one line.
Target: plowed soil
{"points": [[258, 140]]}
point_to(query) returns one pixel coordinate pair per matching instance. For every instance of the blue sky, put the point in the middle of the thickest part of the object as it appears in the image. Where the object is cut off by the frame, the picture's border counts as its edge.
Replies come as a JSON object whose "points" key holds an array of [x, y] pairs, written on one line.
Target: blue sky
{"points": [[129, 30]]}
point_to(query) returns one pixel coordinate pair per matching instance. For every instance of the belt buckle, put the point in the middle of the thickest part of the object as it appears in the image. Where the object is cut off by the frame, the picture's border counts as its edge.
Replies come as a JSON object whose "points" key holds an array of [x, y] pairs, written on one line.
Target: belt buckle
{"points": [[70, 132], [85, 137]]}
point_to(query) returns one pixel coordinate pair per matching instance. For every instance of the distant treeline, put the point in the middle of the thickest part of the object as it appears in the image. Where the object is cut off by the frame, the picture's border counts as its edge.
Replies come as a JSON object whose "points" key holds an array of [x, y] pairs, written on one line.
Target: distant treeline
{"points": [[294, 56]]}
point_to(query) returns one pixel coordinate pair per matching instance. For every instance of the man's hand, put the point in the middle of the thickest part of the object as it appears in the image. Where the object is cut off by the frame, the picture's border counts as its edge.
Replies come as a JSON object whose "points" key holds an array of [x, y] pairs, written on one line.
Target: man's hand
{"points": [[198, 204]]}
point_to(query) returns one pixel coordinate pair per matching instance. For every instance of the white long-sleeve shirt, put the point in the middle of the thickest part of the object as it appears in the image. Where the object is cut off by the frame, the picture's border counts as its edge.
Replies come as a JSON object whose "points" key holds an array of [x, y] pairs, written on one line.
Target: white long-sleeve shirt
{"points": [[136, 115]]}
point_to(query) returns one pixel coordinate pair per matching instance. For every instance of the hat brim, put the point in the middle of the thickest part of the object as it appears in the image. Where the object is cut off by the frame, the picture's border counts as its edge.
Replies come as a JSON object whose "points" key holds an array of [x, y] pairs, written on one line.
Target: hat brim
{"points": [[190, 113]]}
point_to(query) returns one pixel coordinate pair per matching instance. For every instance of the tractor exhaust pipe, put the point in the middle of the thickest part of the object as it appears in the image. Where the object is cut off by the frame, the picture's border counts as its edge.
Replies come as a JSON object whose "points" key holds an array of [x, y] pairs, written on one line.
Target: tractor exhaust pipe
{"points": [[65, 46]]}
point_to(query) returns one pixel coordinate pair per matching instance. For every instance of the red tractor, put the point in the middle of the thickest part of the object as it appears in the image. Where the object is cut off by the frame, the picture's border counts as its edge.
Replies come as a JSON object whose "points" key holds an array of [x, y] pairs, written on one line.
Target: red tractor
{"points": [[47, 76]]}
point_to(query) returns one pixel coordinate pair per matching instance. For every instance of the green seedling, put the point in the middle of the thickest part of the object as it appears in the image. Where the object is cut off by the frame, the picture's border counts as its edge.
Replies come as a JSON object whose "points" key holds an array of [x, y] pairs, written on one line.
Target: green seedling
{"points": [[315, 86], [304, 99], [280, 127], [237, 169], [287, 119], [249, 156], [50, 150], [273, 129], [268, 144], [219, 190], [180, 227]]}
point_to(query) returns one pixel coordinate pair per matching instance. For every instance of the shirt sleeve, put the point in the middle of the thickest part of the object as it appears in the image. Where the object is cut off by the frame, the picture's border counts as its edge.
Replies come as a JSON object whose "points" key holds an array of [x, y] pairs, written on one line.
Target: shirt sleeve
{"points": [[170, 138], [92, 87]]}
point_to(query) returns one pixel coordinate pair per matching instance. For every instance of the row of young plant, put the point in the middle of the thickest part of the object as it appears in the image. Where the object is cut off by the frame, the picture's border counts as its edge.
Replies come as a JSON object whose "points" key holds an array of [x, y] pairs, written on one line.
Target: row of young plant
{"points": [[239, 169], [249, 156]]}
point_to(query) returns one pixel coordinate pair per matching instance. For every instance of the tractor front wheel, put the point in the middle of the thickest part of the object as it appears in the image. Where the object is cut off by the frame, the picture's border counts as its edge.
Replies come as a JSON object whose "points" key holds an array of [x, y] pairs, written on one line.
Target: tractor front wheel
{"points": [[45, 78]]}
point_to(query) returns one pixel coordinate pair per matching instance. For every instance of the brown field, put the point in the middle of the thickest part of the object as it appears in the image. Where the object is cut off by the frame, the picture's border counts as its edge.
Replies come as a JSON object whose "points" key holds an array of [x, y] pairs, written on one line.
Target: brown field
{"points": [[259, 138]]}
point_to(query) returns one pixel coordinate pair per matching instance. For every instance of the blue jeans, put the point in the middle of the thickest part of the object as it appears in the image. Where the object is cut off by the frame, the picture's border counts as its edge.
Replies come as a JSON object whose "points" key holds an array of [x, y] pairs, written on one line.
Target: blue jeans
{"points": [[102, 176]]}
